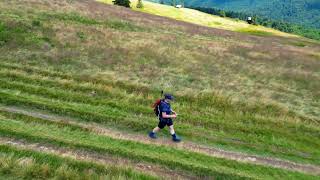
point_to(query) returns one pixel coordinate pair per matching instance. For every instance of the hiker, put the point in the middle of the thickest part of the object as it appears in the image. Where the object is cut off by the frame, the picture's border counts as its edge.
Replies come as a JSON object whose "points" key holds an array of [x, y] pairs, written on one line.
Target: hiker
{"points": [[166, 115]]}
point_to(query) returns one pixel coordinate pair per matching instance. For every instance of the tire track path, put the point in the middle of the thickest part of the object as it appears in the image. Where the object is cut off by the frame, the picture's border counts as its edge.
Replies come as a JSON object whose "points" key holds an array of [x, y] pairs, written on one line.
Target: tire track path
{"points": [[104, 159], [185, 145]]}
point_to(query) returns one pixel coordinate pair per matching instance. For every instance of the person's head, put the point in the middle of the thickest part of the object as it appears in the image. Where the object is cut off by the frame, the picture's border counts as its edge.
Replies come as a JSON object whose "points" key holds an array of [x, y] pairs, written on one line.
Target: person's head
{"points": [[168, 98]]}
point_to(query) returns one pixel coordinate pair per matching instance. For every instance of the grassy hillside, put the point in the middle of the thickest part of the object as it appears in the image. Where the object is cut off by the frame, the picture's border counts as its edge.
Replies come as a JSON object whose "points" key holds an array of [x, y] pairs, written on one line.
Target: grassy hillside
{"points": [[104, 65]]}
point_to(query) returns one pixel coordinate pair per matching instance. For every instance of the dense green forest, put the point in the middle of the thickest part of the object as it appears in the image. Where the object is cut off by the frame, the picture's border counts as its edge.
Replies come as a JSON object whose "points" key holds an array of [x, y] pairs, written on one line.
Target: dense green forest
{"points": [[258, 20]]}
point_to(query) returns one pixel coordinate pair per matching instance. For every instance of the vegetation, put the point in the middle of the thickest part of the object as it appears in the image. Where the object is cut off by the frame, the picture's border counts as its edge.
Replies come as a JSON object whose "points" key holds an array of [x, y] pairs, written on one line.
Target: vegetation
{"points": [[276, 24], [302, 12], [27, 164], [36, 130], [140, 4], [124, 3], [204, 19], [54, 61]]}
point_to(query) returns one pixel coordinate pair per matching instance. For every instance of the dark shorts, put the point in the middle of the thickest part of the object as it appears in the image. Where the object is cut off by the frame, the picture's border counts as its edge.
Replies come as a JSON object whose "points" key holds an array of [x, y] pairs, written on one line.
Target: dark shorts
{"points": [[164, 122]]}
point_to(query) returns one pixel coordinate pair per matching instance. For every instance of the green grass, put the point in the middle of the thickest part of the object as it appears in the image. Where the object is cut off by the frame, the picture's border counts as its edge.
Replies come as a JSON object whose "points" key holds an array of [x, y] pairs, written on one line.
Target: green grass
{"points": [[18, 33], [31, 129], [28, 164], [255, 32], [257, 133], [75, 17], [254, 94]]}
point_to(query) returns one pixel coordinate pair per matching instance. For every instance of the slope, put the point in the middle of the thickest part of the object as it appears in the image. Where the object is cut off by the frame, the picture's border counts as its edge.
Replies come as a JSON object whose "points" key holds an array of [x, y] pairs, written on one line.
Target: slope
{"points": [[105, 64]]}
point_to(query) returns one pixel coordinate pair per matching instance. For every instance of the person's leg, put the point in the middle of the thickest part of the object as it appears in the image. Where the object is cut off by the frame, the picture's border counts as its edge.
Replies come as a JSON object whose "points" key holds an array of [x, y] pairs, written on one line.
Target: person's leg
{"points": [[160, 126], [156, 129], [172, 132], [171, 129]]}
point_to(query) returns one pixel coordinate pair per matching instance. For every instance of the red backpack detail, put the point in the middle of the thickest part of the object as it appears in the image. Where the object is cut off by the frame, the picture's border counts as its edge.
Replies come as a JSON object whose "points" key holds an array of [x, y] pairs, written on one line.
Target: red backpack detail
{"points": [[156, 106]]}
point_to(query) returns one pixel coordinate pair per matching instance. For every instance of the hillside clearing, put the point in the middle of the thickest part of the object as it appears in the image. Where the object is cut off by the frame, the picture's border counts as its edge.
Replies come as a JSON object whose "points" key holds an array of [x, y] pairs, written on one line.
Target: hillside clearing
{"points": [[101, 66]]}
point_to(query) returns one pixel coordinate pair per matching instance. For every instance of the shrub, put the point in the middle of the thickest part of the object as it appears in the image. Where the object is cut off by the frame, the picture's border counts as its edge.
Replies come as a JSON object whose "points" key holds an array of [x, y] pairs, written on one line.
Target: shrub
{"points": [[124, 3], [140, 4]]}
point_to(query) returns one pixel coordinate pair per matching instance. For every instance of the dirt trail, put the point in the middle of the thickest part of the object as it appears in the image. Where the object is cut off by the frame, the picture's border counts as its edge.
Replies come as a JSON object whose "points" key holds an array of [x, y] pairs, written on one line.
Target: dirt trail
{"points": [[185, 145], [97, 158]]}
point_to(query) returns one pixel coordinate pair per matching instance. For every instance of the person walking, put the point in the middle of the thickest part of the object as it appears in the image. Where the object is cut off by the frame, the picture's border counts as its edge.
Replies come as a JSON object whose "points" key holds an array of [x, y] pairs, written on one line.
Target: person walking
{"points": [[166, 115]]}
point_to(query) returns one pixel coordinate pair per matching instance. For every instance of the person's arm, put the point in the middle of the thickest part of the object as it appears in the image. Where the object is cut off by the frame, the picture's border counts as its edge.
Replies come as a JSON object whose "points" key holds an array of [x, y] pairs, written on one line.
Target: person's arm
{"points": [[165, 115]]}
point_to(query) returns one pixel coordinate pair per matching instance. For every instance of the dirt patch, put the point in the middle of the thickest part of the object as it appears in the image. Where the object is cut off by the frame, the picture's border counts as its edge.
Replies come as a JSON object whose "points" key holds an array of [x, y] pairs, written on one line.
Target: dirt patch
{"points": [[190, 146]]}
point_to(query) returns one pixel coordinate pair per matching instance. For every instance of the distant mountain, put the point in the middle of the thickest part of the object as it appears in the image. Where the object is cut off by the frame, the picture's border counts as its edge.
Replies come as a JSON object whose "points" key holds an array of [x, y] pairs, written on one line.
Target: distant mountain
{"points": [[303, 12]]}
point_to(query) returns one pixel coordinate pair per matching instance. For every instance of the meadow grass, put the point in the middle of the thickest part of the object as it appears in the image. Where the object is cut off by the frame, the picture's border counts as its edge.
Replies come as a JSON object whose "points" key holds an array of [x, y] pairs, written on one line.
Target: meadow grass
{"points": [[256, 132], [28, 128], [75, 17], [255, 32], [27, 164], [189, 68], [253, 94]]}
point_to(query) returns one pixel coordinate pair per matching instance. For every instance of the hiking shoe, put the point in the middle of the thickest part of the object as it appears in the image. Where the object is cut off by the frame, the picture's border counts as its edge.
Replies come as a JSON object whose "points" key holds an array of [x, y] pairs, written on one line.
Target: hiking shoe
{"points": [[176, 138], [152, 135]]}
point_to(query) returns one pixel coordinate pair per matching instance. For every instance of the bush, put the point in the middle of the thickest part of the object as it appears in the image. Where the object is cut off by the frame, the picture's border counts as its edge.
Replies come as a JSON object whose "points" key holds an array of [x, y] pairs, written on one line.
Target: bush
{"points": [[222, 13], [124, 3], [36, 23], [140, 4]]}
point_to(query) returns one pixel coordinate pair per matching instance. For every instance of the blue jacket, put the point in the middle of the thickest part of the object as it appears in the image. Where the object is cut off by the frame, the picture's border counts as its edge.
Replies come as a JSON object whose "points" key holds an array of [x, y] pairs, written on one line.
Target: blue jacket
{"points": [[164, 107]]}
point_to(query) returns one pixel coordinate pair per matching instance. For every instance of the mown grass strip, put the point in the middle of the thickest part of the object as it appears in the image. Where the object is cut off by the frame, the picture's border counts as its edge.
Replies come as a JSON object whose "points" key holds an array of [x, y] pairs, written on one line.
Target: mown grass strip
{"points": [[137, 98], [123, 112], [208, 121], [98, 144], [243, 128], [38, 118], [199, 164], [182, 106], [134, 124], [197, 102], [82, 111], [28, 164], [56, 90], [72, 96]]}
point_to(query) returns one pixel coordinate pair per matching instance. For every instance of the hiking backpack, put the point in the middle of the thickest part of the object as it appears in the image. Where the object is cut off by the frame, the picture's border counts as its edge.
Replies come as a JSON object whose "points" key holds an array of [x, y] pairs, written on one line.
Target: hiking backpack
{"points": [[156, 107]]}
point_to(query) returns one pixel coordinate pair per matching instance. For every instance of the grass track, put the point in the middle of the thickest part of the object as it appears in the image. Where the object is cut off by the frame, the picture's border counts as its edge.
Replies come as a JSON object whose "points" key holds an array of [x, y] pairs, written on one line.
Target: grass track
{"points": [[177, 159], [70, 99], [40, 117], [25, 164]]}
